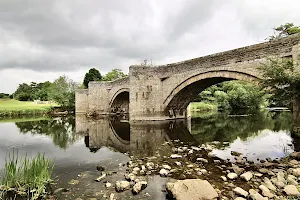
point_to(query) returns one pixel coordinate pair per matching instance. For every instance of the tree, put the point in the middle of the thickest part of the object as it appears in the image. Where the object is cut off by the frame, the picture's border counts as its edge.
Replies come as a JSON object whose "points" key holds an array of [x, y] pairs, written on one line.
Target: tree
{"points": [[281, 77], [114, 75], [92, 75], [62, 91], [284, 30], [24, 92]]}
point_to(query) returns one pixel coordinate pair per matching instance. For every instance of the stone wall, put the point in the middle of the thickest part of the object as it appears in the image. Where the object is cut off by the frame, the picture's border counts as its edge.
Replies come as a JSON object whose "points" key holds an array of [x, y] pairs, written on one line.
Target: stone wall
{"points": [[81, 101]]}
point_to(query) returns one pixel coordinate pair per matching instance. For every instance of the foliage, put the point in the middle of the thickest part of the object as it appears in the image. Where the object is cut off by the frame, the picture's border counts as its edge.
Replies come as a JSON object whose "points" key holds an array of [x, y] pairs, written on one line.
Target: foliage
{"points": [[114, 75], [62, 91], [284, 30], [202, 106], [33, 91], [234, 95], [92, 75], [281, 77], [28, 177], [4, 96]]}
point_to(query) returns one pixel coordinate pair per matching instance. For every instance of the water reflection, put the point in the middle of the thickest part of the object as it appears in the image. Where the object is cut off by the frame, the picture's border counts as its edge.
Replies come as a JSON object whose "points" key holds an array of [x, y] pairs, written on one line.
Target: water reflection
{"points": [[239, 131], [61, 130]]}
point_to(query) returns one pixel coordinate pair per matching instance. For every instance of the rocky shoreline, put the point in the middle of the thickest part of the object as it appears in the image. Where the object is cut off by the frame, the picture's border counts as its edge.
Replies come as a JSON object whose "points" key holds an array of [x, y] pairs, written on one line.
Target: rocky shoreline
{"points": [[193, 172]]}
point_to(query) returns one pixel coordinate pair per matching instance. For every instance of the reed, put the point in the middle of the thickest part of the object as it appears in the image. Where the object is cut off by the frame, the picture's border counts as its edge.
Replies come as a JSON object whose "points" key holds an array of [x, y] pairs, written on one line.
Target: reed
{"points": [[27, 178]]}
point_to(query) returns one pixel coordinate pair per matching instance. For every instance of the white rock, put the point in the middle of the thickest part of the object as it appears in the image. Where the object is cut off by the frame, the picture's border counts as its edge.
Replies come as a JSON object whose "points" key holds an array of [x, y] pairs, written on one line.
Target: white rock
{"points": [[100, 178], [203, 171], [291, 190], [240, 191], [254, 195], [136, 169], [280, 176], [166, 167], [175, 156], [190, 166], [232, 175], [122, 185], [108, 185], [178, 163], [265, 191], [239, 198], [196, 148], [223, 178], [139, 186], [130, 177], [247, 176], [163, 172], [202, 160], [295, 172], [192, 189], [291, 181], [269, 184]]}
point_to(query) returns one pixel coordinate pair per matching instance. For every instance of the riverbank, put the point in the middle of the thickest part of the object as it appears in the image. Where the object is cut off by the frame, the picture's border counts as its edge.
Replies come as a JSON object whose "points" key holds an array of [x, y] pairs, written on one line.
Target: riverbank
{"points": [[183, 170], [12, 107]]}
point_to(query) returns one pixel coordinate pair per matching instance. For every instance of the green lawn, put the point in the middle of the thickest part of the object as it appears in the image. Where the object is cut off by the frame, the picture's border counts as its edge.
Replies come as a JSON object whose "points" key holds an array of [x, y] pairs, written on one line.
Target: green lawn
{"points": [[10, 107]]}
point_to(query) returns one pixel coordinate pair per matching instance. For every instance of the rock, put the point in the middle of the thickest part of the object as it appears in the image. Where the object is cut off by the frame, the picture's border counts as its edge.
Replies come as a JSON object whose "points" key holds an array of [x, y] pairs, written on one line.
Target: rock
{"points": [[291, 190], [239, 198], [294, 162], [202, 160], [166, 167], [269, 184], [163, 172], [258, 174], [73, 182], [190, 166], [254, 195], [150, 165], [112, 196], [247, 176], [178, 163], [139, 186], [175, 156], [279, 184], [291, 181], [232, 176], [108, 185], [192, 189], [280, 176], [100, 178], [237, 169], [122, 186], [295, 172], [129, 177], [240, 191], [100, 168], [203, 171], [235, 153], [265, 191], [263, 170], [196, 148], [137, 169], [295, 155], [223, 178]]}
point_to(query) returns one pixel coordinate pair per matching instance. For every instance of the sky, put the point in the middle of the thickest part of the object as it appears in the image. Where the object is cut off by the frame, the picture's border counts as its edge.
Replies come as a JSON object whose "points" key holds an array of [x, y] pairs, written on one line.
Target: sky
{"points": [[43, 39]]}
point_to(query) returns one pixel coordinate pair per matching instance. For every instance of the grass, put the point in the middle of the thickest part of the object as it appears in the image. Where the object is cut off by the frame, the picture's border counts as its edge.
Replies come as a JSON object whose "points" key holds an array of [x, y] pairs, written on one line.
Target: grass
{"points": [[25, 178], [12, 107], [202, 106]]}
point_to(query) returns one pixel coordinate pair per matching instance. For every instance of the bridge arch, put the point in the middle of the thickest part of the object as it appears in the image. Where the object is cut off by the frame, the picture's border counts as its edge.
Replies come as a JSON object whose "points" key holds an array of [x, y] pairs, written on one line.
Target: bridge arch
{"points": [[120, 101], [185, 92]]}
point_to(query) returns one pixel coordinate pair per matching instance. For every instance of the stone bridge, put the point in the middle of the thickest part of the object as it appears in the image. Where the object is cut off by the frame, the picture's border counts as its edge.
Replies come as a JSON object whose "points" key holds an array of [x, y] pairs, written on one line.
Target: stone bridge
{"points": [[164, 92]]}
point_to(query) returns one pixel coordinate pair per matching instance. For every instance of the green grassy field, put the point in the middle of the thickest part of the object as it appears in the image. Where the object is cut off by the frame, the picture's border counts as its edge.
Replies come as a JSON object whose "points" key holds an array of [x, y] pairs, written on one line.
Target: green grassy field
{"points": [[11, 107]]}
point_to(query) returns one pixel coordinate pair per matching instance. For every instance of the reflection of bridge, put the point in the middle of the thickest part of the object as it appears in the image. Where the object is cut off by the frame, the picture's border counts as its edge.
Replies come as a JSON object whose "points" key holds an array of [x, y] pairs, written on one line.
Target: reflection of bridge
{"points": [[137, 138], [163, 92]]}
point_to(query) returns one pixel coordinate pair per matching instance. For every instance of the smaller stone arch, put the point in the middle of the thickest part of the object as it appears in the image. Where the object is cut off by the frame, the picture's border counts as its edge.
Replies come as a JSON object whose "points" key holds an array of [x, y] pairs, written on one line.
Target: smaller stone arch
{"points": [[119, 102], [187, 90]]}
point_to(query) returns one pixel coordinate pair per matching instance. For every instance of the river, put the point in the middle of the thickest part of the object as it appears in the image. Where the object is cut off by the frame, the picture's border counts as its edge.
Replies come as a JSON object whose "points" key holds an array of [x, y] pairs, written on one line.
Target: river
{"points": [[78, 145]]}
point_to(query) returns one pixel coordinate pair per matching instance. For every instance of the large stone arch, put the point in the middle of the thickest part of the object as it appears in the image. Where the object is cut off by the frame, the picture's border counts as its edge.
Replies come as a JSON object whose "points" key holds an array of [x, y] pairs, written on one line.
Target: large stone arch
{"points": [[120, 101], [183, 93]]}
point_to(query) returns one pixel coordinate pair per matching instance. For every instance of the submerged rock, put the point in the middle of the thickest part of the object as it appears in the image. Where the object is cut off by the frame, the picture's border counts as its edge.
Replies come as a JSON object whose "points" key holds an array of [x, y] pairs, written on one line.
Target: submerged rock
{"points": [[139, 186], [163, 172], [122, 186], [192, 189]]}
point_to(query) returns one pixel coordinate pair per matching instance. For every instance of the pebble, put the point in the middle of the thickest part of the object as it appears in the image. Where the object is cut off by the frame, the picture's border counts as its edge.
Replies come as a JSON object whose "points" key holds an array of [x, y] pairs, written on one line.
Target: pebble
{"points": [[175, 156], [223, 178], [241, 191], [163, 172], [247, 176], [100, 178], [108, 185], [122, 185], [139, 186], [265, 191], [269, 184], [232, 175], [202, 160], [291, 190], [166, 167]]}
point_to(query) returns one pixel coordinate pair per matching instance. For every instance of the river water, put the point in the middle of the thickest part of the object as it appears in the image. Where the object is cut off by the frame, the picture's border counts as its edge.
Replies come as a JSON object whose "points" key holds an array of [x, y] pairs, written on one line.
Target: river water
{"points": [[77, 145]]}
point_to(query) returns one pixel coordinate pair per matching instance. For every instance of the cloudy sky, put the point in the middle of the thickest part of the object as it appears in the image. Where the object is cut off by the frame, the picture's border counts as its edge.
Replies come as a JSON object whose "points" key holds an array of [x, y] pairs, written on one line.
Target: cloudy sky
{"points": [[43, 39]]}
